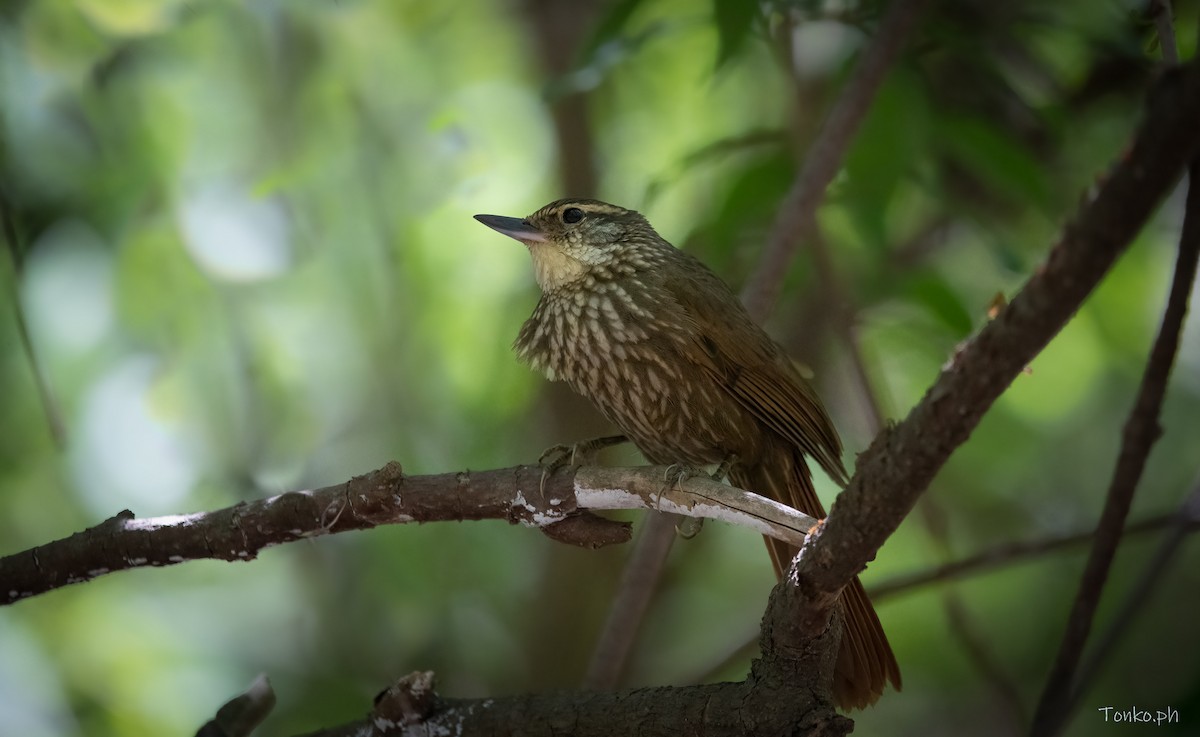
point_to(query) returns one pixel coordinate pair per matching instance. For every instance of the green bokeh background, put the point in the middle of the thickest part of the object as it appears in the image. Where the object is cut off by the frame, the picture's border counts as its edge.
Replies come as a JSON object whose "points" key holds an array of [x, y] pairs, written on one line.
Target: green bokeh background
{"points": [[245, 256]]}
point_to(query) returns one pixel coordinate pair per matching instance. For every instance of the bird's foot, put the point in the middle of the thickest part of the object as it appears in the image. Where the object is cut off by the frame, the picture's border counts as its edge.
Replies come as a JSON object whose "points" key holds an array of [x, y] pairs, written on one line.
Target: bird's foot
{"points": [[722, 471], [582, 453], [677, 473], [689, 527]]}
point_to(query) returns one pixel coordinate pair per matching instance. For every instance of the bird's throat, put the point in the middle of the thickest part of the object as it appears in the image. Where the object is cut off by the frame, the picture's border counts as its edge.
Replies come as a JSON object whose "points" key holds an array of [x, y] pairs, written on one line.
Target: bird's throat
{"points": [[553, 268]]}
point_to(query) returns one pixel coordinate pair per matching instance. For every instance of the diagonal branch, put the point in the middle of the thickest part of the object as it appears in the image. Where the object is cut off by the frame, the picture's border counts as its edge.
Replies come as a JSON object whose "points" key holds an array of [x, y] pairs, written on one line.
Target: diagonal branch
{"points": [[798, 212], [898, 466]]}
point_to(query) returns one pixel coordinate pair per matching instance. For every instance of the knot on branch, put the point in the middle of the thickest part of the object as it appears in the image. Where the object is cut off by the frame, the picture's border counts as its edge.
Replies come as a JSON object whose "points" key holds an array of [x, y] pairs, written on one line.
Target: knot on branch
{"points": [[406, 702]]}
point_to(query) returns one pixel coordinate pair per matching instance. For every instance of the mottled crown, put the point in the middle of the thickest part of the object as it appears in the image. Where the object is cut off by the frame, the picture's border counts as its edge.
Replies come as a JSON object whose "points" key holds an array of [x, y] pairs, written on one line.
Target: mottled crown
{"points": [[598, 223]]}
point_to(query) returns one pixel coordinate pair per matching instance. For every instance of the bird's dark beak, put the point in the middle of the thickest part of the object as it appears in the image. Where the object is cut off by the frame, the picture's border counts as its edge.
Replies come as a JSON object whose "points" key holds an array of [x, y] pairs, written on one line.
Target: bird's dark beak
{"points": [[513, 228]]}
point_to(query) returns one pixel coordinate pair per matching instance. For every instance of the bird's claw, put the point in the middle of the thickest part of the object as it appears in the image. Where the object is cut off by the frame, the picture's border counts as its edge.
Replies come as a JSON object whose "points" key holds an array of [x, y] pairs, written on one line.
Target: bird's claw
{"points": [[689, 527], [557, 456], [582, 453], [677, 473]]}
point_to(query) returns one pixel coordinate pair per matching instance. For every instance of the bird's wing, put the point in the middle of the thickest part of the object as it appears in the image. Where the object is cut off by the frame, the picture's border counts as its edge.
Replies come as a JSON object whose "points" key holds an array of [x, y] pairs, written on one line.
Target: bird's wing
{"points": [[755, 370]]}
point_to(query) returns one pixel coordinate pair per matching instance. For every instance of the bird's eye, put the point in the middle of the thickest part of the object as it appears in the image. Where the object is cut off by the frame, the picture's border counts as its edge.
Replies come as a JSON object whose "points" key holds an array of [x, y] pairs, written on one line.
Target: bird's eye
{"points": [[572, 215]]}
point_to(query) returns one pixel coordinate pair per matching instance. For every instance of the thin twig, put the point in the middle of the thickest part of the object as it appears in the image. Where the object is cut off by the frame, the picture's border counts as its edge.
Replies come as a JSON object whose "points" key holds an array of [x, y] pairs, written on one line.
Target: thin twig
{"points": [[844, 314], [639, 582], [1005, 555], [54, 421], [1184, 520], [797, 213], [982, 658], [986, 561], [1160, 11], [1140, 433]]}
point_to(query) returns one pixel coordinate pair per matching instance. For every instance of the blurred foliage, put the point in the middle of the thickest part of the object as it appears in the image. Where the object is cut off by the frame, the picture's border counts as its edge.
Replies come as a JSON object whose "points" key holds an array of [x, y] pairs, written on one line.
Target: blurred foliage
{"points": [[242, 248]]}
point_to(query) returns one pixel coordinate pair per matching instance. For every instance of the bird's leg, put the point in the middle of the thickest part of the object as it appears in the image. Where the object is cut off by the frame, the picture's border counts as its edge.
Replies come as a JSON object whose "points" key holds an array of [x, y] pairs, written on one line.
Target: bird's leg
{"points": [[722, 471], [582, 453], [689, 527]]}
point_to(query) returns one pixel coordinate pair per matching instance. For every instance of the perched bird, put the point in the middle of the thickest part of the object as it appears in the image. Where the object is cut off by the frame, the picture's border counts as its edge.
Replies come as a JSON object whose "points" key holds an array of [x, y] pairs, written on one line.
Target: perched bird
{"points": [[667, 352]]}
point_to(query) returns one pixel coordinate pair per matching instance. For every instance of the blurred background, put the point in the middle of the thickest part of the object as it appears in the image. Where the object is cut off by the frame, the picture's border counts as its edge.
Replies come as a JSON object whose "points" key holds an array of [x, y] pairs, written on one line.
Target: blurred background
{"points": [[240, 260]]}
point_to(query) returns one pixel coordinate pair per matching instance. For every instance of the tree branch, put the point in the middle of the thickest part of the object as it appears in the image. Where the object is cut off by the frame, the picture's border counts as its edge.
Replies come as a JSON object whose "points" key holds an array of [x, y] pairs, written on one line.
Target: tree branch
{"points": [[386, 496], [898, 466], [786, 692], [639, 581], [50, 404]]}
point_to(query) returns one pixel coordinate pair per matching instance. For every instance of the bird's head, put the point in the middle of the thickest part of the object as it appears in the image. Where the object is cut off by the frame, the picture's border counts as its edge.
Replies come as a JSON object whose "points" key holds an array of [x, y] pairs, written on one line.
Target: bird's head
{"points": [[571, 240]]}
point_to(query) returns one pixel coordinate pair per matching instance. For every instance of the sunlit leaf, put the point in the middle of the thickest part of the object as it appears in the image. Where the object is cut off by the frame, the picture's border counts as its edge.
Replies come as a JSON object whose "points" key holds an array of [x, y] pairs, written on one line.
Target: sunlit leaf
{"points": [[714, 152]]}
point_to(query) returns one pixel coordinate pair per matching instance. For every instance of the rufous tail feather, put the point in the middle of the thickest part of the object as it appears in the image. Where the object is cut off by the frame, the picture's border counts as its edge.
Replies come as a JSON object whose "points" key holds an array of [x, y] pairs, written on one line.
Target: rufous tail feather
{"points": [[865, 661]]}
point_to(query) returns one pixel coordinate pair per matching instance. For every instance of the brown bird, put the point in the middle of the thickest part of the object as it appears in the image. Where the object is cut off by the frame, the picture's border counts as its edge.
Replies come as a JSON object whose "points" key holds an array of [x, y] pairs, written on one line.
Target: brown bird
{"points": [[667, 352]]}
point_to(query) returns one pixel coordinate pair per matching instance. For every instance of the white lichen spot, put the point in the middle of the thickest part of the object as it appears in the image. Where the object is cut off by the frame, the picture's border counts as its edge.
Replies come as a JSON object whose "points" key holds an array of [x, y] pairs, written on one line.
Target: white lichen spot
{"points": [[175, 559], [436, 729], [812, 536], [521, 501], [592, 498], [97, 572], [154, 523], [542, 519], [136, 561]]}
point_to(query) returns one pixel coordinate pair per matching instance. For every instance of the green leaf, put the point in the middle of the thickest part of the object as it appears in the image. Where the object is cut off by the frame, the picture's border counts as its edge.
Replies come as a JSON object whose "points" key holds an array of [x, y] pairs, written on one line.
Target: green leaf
{"points": [[745, 212], [886, 152], [609, 28], [998, 160], [734, 19], [715, 152], [932, 292]]}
